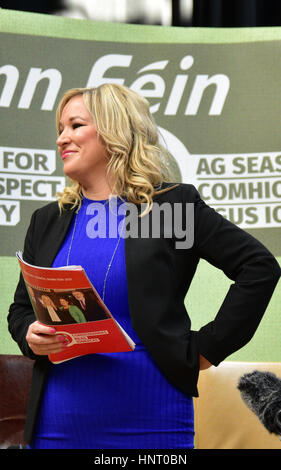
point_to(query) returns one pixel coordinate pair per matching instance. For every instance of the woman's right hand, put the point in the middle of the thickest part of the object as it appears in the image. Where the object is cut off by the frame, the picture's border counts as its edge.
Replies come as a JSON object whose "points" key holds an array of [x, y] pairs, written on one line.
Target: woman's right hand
{"points": [[43, 340]]}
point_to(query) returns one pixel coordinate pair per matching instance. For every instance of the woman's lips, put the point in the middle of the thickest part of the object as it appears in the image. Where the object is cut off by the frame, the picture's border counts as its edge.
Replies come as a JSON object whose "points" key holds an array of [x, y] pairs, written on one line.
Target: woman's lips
{"points": [[67, 153]]}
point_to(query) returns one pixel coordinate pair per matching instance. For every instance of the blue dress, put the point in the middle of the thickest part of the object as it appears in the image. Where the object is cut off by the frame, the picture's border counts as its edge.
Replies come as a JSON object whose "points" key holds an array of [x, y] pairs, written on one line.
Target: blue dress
{"points": [[113, 400]]}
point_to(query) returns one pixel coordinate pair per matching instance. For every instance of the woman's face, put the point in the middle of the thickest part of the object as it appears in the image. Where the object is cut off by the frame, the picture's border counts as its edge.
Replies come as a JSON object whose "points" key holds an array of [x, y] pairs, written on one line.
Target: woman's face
{"points": [[64, 303], [46, 300], [83, 152]]}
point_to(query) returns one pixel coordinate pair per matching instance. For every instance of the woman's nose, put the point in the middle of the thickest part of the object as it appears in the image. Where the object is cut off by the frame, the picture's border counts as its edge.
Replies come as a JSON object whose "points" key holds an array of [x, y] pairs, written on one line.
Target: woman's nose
{"points": [[63, 138]]}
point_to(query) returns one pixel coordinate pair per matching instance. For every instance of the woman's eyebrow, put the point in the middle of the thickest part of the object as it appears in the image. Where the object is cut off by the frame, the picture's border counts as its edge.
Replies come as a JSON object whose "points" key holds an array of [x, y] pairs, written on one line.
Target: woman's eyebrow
{"points": [[72, 118], [77, 117]]}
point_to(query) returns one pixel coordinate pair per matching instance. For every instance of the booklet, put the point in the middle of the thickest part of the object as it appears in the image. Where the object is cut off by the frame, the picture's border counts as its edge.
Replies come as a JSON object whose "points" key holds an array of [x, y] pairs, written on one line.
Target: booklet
{"points": [[65, 298]]}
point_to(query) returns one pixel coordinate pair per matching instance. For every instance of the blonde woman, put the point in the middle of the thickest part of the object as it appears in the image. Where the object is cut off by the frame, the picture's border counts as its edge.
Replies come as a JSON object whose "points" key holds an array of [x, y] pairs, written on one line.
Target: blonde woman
{"points": [[47, 302], [108, 143]]}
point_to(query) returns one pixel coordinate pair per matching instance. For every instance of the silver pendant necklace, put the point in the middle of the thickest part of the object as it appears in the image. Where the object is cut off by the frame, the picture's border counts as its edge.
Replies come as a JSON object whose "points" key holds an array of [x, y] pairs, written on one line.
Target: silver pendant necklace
{"points": [[112, 257]]}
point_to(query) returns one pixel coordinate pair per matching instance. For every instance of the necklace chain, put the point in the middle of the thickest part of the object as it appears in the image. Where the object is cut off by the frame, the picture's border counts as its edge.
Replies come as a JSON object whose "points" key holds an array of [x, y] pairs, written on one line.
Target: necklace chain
{"points": [[110, 263], [112, 257], [71, 241]]}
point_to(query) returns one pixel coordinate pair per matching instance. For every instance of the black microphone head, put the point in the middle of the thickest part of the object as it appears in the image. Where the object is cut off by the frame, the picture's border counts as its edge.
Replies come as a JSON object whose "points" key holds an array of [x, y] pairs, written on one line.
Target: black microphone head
{"points": [[261, 392]]}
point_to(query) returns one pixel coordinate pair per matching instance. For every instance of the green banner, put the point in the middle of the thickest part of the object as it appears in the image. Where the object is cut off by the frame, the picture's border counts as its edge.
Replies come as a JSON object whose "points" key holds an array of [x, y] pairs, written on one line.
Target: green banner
{"points": [[215, 95]]}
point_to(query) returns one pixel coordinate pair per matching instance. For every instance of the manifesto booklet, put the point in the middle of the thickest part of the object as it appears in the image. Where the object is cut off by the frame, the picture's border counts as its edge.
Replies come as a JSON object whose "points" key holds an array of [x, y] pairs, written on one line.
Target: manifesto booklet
{"points": [[65, 299]]}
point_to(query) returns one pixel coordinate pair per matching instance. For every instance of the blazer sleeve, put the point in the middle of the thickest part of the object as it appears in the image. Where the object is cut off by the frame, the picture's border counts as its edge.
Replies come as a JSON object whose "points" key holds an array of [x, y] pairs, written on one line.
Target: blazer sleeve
{"points": [[249, 264], [21, 313]]}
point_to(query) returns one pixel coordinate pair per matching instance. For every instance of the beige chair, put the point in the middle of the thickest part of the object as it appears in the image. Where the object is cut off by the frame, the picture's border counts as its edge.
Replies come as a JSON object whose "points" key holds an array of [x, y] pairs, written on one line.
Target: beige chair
{"points": [[222, 420]]}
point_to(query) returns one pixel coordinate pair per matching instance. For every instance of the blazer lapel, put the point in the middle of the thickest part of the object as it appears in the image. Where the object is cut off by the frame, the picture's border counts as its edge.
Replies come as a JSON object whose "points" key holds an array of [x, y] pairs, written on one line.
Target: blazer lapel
{"points": [[52, 243]]}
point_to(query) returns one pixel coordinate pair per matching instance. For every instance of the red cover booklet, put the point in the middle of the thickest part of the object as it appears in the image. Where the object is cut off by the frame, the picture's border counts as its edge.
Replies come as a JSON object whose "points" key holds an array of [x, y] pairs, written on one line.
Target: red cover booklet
{"points": [[66, 299]]}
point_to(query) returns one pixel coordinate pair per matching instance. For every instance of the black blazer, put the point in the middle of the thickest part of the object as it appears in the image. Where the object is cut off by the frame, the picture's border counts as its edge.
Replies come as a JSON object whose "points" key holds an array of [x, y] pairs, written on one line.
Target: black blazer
{"points": [[158, 277]]}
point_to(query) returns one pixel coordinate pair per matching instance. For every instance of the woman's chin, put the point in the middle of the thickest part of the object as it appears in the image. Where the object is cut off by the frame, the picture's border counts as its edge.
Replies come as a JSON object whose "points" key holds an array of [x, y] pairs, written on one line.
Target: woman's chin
{"points": [[70, 172]]}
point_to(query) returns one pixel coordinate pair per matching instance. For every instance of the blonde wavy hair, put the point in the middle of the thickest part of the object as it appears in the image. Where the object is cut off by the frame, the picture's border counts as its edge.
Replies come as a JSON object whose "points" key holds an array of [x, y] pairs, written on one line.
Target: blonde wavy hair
{"points": [[138, 164]]}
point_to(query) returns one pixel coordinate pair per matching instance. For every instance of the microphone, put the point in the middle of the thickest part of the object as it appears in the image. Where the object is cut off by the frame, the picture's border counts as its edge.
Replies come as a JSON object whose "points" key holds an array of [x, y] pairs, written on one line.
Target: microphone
{"points": [[261, 392]]}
